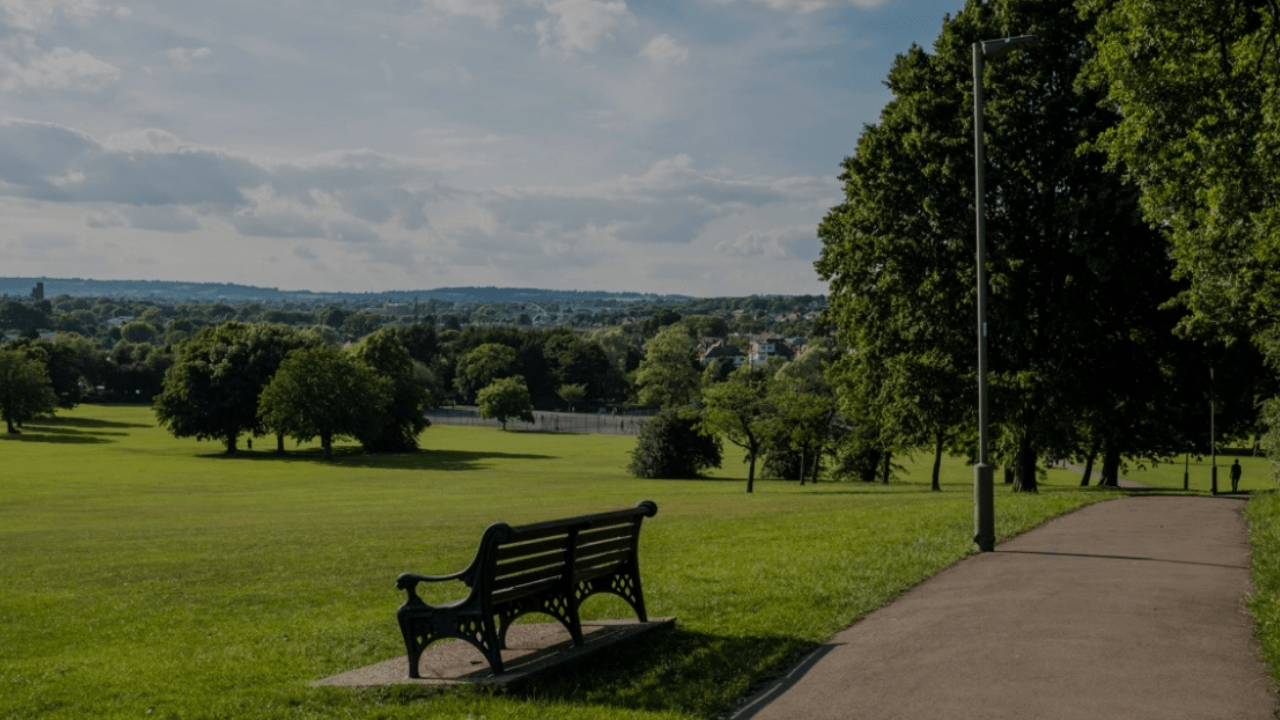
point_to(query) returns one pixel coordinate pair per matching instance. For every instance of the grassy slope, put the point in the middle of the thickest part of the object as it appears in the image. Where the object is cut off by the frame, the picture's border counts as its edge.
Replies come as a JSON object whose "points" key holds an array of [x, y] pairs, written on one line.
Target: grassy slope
{"points": [[146, 576]]}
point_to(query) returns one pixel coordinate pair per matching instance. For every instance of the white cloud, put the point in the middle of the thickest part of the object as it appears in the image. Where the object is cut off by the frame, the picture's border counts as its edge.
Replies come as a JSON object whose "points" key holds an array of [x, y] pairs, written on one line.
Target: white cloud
{"points": [[672, 202], [664, 52], [488, 11], [22, 65], [166, 219], [277, 225], [36, 14], [579, 26], [808, 6], [784, 242], [144, 139], [182, 58]]}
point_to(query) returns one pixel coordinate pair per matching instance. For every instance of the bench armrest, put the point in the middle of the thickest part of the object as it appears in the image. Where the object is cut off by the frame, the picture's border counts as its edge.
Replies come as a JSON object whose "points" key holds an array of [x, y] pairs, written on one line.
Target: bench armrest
{"points": [[408, 581]]}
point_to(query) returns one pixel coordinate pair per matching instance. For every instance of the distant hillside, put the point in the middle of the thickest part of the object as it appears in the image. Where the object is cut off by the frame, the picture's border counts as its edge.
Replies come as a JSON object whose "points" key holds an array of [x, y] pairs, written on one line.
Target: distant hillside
{"points": [[230, 292]]}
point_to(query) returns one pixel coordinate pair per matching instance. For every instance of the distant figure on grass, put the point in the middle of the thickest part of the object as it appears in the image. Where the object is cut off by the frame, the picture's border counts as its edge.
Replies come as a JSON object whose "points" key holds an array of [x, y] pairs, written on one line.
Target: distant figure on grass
{"points": [[1235, 476]]}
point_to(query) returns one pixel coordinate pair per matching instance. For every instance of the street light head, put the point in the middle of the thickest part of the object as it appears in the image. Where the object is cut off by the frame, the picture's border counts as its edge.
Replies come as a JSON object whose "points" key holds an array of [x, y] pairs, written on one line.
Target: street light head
{"points": [[997, 48]]}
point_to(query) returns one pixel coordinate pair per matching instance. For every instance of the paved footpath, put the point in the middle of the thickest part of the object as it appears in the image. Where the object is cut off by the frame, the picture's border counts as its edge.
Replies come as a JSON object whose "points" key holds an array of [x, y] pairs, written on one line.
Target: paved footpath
{"points": [[1131, 608]]}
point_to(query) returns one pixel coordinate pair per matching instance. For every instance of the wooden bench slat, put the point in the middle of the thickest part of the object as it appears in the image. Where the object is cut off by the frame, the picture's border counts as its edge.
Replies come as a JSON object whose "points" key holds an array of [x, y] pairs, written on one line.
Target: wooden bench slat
{"points": [[596, 535], [602, 559], [605, 546], [519, 591], [595, 572], [518, 566], [551, 572], [520, 550], [522, 533]]}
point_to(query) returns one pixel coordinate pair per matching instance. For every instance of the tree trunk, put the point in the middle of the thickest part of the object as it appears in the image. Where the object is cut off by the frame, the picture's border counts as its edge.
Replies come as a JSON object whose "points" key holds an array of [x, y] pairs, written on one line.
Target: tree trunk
{"points": [[280, 443], [1024, 470], [1008, 474], [817, 464], [1088, 465], [231, 442], [884, 476], [751, 472], [1110, 466], [326, 442], [867, 472], [12, 430], [804, 471], [937, 462]]}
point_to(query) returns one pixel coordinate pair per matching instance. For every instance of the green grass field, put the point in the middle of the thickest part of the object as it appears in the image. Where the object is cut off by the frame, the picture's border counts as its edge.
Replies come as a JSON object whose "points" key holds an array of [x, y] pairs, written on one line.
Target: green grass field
{"points": [[144, 576], [1255, 475]]}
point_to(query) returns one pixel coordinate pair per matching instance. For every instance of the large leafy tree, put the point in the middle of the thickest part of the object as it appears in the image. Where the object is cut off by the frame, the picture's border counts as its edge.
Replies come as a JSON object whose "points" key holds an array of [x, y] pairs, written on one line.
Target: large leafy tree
{"points": [[669, 375], [211, 391], [71, 360], [806, 409], [1197, 83], [25, 389], [574, 360], [506, 399], [1066, 244], [323, 392], [741, 410], [383, 351], [674, 445], [481, 366]]}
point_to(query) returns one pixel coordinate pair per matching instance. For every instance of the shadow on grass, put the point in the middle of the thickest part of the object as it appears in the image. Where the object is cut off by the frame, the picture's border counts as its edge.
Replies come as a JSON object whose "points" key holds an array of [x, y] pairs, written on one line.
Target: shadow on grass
{"points": [[70, 431], [685, 671], [58, 436], [444, 460], [676, 670], [84, 422]]}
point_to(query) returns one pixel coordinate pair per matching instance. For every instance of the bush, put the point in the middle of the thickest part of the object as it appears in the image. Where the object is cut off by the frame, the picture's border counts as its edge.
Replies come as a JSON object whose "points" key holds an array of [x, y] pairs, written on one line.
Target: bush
{"points": [[673, 445]]}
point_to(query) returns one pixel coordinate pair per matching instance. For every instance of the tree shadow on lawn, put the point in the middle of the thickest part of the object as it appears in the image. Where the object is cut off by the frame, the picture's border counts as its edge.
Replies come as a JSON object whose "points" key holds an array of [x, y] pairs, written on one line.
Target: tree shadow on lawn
{"points": [[674, 670], [84, 422], [444, 460], [45, 433]]}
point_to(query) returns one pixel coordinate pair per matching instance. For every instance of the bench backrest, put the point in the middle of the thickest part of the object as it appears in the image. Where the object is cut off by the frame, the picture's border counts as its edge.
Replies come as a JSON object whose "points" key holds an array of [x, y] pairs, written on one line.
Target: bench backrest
{"points": [[529, 559]]}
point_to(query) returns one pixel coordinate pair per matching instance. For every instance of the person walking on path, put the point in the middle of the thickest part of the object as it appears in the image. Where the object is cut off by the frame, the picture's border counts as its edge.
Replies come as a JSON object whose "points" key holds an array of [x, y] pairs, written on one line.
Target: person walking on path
{"points": [[1235, 476]]}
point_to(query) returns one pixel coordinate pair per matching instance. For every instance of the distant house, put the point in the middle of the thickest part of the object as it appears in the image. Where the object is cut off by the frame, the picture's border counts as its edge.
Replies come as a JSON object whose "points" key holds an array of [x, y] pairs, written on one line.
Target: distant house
{"points": [[724, 352], [762, 350]]}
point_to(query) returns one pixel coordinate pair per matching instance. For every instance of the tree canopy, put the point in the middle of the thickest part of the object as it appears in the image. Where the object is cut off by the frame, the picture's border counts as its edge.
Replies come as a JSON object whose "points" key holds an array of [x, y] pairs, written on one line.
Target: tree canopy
{"points": [[1197, 85], [324, 392], [669, 375], [25, 389], [383, 351], [211, 392], [506, 399], [1070, 260], [740, 409]]}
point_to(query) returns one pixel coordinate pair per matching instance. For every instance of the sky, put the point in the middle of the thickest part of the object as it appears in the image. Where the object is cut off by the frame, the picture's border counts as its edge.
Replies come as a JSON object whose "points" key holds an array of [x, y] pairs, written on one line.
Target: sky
{"points": [[682, 146]]}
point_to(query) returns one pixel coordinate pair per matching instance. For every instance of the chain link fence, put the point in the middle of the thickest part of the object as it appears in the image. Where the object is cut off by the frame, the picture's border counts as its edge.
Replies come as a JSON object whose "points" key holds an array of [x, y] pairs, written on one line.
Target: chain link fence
{"points": [[604, 423]]}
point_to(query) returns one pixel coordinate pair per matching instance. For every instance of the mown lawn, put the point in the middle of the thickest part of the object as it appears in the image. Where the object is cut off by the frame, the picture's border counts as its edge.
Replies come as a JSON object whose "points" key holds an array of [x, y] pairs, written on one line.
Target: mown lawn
{"points": [[144, 576], [1169, 474]]}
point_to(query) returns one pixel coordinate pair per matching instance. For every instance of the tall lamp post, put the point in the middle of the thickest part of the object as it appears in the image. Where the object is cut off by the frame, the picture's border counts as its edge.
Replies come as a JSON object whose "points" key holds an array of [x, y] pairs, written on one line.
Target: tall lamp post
{"points": [[984, 519], [1213, 440]]}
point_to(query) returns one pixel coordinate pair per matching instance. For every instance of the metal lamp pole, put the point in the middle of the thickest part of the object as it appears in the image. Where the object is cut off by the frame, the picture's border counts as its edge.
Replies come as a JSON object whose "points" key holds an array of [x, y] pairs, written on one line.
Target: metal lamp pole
{"points": [[984, 519], [1213, 440]]}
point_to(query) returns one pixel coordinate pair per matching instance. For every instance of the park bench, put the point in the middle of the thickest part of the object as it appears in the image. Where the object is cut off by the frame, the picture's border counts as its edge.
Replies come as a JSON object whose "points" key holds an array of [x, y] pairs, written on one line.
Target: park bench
{"points": [[548, 567]]}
